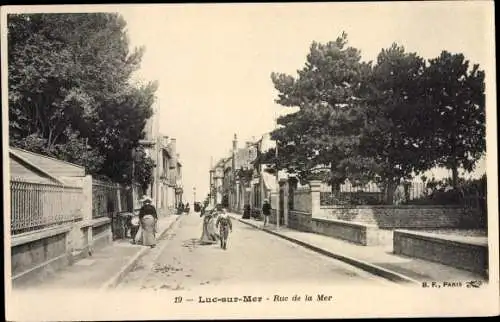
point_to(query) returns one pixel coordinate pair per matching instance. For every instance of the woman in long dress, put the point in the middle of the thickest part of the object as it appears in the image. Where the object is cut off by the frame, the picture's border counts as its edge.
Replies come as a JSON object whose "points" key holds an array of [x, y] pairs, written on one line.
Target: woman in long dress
{"points": [[209, 234], [148, 218]]}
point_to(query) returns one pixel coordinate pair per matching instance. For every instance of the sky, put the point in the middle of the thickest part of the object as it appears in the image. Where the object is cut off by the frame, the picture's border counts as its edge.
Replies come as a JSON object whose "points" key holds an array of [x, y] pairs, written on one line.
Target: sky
{"points": [[213, 62]]}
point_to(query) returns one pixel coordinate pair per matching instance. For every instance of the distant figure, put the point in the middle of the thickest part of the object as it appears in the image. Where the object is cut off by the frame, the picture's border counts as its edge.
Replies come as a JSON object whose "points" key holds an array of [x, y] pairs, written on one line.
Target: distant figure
{"points": [[148, 219], [246, 211], [225, 226], [180, 208], [266, 211], [186, 208]]}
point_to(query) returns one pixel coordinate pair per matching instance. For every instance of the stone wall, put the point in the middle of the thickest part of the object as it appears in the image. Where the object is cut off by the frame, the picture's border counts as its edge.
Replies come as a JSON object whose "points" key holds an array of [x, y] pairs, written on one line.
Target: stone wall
{"points": [[41, 252], [302, 200], [462, 254], [362, 234], [394, 217], [36, 254], [101, 233], [31, 252], [299, 220]]}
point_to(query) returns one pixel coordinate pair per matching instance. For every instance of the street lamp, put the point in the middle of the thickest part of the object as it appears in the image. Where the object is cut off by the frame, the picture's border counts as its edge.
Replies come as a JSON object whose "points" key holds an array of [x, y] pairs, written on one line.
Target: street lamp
{"points": [[194, 195]]}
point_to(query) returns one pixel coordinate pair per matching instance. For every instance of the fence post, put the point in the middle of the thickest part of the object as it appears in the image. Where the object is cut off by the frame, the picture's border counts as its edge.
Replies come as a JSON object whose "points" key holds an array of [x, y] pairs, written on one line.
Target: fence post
{"points": [[315, 186], [87, 208], [283, 194], [118, 197]]}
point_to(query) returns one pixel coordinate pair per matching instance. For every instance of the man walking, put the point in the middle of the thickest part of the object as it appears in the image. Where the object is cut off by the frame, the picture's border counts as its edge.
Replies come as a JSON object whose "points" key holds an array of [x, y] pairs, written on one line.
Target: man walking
{"points": [[266, 211]]}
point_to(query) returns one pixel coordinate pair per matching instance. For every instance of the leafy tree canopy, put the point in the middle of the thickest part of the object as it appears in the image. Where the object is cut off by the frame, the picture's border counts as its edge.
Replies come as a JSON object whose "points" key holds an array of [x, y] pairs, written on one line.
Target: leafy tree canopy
{"points": [[385, 121], [456, 110], [70, 94], [319, 138]]}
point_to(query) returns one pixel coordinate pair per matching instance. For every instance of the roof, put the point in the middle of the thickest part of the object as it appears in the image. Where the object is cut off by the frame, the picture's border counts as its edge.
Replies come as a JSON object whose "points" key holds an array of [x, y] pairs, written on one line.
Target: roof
{"points": [[51, 166], [22, 171]]}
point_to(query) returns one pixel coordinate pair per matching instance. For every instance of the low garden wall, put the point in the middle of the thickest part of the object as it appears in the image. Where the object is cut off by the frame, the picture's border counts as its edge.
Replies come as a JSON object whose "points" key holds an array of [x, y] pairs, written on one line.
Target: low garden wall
{"points": [[101, 233], [299, 220], [396, 217], [36, 254], [358, 233], [455, 252]]}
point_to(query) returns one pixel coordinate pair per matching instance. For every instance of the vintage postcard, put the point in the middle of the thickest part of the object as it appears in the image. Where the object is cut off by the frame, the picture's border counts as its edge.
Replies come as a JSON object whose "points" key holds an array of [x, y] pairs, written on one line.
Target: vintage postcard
{"points": [[236, 161]]}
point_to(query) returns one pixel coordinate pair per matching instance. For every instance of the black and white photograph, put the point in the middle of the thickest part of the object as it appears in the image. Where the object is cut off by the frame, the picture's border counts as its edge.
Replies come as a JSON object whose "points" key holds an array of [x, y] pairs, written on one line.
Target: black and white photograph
{"points": [[250, 160]]}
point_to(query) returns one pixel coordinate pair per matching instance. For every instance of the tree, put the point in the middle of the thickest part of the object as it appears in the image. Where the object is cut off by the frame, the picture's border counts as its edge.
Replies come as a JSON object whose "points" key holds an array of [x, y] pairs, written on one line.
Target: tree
{"points": [[318, 140], [392, 134], [69, 82], [456, 110]]}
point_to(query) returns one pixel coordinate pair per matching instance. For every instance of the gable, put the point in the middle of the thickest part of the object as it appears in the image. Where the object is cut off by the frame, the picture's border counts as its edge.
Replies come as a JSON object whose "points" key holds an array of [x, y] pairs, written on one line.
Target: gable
{"points": [[20, 170], [53, 166]]}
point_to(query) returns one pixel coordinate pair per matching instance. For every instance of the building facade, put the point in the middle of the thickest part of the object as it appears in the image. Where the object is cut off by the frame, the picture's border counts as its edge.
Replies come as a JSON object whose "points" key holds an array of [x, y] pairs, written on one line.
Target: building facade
{"points": [[166, 189], [240, 179]]}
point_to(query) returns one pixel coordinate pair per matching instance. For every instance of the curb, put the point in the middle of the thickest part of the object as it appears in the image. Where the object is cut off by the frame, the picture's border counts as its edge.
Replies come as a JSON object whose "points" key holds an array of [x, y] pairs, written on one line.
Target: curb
{"points": [[116, 279], [371, 268]]}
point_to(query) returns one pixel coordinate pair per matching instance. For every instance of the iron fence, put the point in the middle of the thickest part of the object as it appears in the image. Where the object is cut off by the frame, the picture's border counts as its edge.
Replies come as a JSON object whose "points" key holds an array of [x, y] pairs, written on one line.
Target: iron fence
{"points": [[36, 206], [374, 194], [350, 194], [105, 201], [410, 193]]}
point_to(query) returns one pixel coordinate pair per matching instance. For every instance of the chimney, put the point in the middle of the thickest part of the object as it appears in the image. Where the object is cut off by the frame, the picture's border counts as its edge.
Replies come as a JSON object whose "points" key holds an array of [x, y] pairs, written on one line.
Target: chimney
{"points": [[234, 164], [235, 143]]}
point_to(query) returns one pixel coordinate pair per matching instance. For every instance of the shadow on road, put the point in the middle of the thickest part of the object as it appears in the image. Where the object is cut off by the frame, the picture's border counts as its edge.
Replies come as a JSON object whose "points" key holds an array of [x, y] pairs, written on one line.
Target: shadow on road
{"points": [[191, 243]]}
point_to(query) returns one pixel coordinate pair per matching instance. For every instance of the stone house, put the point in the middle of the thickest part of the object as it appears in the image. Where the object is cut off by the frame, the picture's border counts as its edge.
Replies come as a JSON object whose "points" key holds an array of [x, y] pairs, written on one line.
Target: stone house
{"points": [[166, 190]]}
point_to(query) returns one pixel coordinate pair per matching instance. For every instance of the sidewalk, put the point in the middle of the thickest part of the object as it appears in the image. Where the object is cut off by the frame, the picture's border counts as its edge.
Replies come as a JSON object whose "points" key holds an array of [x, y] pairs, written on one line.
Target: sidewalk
{"points": [[105, 268], [378, 260]]}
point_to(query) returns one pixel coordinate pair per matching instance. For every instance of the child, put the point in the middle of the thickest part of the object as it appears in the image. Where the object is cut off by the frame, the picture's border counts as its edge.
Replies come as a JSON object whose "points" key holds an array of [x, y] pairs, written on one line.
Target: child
{"points": [[225, 226]]}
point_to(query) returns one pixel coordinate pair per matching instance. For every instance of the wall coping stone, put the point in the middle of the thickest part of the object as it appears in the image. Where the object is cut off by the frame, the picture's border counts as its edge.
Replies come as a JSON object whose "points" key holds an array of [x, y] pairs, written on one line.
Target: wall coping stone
{"points": [[29, 237], [347, 223], [439, 238], [301, 212], [100, 221]]}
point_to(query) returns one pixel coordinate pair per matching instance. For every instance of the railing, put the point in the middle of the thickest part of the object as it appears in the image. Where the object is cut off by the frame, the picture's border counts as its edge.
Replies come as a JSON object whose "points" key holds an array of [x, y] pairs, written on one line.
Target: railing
{"points": [[372, 194], [104, 199], [127, 197], [412, 193], [40, 205]]}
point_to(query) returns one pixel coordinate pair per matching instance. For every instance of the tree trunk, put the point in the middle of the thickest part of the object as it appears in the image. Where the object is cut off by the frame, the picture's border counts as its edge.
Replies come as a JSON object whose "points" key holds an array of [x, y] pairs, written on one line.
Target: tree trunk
{"points": [[335, 185], [390, 187], [454, 176]]}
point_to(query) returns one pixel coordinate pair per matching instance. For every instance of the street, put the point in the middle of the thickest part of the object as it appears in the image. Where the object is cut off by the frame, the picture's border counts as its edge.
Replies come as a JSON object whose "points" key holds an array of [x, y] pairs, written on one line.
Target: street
{"points": [[179, 262]]}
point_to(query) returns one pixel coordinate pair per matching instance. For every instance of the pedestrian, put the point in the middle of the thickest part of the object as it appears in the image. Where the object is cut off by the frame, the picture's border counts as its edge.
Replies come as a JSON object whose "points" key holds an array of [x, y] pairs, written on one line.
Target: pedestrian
{"points": [[180, 208], [209, 234], [266, 211], [225, 226], [149, 220]]}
